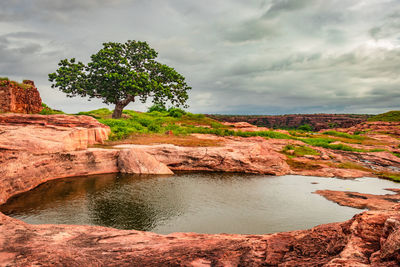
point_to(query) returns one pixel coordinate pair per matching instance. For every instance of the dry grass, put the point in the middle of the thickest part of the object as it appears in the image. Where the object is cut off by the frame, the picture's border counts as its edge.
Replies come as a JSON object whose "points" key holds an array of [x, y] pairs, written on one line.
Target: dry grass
{"points": [[355, 166], [153, 139], [300, 165]]}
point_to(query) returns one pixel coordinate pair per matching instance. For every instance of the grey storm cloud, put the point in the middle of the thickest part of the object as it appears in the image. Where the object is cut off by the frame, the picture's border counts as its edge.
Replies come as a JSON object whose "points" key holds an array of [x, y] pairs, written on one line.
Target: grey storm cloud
{"points": [[241, 57]]}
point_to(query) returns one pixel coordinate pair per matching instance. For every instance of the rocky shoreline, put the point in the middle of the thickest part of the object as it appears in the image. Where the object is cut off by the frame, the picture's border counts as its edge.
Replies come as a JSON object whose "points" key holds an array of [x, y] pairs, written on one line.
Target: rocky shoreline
{"points": [[37, 148]]}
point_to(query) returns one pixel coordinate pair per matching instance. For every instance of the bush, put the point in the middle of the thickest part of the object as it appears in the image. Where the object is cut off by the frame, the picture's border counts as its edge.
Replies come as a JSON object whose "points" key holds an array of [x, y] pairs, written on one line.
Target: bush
{"points": [[157, 107], [176, 112], [195, 116], [305, 127], [154, 127]]}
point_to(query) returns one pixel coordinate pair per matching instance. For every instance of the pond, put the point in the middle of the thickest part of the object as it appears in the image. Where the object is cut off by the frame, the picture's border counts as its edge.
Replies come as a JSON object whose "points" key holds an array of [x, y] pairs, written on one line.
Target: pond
{"points": [[190, 202]]}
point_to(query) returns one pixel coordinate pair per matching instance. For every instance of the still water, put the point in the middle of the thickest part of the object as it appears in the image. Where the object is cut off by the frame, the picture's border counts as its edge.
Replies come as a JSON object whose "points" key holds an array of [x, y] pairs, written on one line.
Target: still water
{"points": [[199, 202]]}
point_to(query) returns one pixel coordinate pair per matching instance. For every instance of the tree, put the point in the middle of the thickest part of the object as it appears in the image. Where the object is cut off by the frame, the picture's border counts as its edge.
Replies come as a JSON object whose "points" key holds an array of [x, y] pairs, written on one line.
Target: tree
{"points": [[119, 74]]}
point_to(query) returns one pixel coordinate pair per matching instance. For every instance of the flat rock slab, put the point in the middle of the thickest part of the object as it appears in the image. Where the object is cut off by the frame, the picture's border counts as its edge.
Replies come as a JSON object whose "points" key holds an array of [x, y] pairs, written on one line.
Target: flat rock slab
{"points": [[246, 155], [363, 201], [368, 238]]}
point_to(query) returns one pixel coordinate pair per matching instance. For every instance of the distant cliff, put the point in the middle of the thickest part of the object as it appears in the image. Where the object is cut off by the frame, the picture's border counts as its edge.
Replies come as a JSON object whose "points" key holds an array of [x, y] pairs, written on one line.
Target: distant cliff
{"points": [[317, 121]]}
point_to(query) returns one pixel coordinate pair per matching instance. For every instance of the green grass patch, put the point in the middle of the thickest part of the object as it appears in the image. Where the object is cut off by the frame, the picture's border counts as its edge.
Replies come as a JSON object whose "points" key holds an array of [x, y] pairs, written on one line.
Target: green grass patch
{"points": [[49, 111], [388, 116], [98, 113], [175, 120], [299, 151], [269, 134], [344, 135], [395, 177], [396, 154], [327, 143]]}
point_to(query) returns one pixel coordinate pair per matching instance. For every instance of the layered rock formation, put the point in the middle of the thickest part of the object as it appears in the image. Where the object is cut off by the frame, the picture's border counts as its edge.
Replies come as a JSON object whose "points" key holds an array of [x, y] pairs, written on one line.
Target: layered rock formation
{"points": [[375, 126], [317, 121], [246, 155], [20, 98], [39, 148]]}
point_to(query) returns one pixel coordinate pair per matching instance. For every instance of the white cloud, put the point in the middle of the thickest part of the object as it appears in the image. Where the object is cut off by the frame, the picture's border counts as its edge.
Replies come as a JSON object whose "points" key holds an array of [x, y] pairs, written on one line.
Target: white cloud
{"points": [[256, 56]]}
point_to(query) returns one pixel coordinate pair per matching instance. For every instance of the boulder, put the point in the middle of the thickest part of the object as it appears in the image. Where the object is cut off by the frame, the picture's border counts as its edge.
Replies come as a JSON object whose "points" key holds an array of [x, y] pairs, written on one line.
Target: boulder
{"points": [[137, 161]]}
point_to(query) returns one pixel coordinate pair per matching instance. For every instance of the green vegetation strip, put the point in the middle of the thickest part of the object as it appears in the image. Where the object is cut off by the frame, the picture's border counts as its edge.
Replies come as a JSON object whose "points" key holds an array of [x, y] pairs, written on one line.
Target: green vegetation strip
{"points": [[179, 122], [344, 135], [388, 116], [327, 143]]}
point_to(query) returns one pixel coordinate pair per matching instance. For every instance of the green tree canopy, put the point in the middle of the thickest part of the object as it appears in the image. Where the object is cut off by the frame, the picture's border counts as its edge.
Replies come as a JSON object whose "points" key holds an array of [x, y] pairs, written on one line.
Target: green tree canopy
{"points": [[119, 74]]}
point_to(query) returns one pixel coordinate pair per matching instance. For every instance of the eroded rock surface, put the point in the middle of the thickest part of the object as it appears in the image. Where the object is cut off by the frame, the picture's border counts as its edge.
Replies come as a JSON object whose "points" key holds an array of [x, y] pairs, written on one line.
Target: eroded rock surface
{"points": [[370, 238], [363, 201], [39, 148], [50, 133], [247, 155], [20, 98]]}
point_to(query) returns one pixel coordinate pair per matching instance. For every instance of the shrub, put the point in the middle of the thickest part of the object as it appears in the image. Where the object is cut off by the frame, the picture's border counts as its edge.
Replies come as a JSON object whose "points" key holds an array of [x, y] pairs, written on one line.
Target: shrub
{"points": [[157, 107], [195, 116], [216, 125], [305, 127], [176, 112], [4, 79], [154, 127]]}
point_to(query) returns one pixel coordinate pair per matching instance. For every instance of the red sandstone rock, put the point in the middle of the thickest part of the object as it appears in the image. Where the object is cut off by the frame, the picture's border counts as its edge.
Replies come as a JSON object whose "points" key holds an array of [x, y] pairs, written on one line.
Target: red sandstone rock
{"points": [[370, 237], [375, 127], [244, 127], [50, 133], [362, 201], [19, 98], [42, 147], [135, 160], [20, 170], [247, 155]]}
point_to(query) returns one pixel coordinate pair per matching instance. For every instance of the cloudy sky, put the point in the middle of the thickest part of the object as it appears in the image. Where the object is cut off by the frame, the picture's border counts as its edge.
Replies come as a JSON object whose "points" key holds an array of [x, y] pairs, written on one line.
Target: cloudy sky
{"points": [[240, 57]]}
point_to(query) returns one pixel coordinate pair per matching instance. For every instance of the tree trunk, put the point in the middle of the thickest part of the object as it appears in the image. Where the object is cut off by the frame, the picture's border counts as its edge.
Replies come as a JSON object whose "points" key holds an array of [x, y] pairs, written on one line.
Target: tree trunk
{"points": [[120, 105]]}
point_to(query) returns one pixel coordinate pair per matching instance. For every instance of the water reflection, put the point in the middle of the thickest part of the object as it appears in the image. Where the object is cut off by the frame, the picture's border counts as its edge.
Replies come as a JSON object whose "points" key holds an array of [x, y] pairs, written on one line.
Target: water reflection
{"points": [[201, 202]]}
